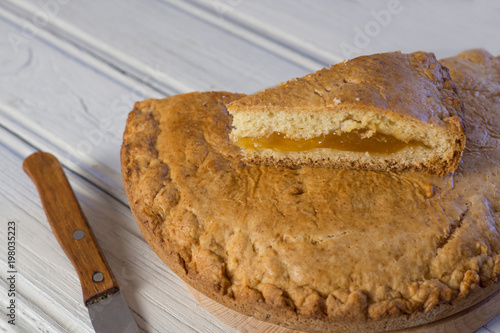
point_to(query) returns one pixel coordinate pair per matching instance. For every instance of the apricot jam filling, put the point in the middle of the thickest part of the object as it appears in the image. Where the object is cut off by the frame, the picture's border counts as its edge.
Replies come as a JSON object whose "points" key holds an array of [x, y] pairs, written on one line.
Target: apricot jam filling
{"points": [[378, 143]]}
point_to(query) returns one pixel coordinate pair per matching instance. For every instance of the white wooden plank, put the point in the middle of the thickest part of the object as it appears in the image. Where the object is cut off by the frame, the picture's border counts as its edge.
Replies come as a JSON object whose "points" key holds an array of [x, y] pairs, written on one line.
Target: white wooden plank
{"points": [[282, 24], [319, 28], [194, 54], [216, 14], [283, 27], [484, 329], [64, 101], [49, 295], [493, 325]]}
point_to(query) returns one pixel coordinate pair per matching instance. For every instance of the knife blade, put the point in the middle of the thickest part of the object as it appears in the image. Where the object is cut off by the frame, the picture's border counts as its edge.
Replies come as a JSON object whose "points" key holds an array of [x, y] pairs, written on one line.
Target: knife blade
{"points": [[107, 307]]}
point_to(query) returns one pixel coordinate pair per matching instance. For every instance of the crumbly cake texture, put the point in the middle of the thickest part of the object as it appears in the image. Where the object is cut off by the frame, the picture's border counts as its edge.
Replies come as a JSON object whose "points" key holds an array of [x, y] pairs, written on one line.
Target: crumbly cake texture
{"points": [[315, 249], [408, 96]]}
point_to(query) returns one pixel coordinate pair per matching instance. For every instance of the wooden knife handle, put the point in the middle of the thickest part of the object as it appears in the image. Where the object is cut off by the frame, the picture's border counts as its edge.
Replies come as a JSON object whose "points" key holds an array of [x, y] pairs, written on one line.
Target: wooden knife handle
{"points": [[70, 226]]}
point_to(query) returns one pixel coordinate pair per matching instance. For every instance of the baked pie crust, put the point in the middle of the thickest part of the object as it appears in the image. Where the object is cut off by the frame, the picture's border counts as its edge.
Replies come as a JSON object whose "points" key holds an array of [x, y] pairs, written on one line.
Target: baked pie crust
{"points": [[314, 249], [380, 112]]}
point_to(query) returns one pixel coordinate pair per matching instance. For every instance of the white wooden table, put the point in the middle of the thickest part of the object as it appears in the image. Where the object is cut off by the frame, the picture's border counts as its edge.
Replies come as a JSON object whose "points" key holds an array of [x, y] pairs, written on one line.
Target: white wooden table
{"points": [[71, 70]]}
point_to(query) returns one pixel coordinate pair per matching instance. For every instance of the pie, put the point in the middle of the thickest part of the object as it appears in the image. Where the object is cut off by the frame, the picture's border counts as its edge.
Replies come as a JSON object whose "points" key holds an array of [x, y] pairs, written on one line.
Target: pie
{"points": [[382, 112], [319, 249]]}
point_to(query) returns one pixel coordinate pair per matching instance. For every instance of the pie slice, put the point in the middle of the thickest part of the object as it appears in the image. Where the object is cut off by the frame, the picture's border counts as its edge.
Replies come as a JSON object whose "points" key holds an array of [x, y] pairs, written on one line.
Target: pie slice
{"points": [[383, 112]]}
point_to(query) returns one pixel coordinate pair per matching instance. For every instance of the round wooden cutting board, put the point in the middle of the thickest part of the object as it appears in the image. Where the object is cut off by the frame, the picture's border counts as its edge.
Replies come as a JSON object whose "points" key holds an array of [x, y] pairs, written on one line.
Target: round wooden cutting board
{"points": [[466, 321]]}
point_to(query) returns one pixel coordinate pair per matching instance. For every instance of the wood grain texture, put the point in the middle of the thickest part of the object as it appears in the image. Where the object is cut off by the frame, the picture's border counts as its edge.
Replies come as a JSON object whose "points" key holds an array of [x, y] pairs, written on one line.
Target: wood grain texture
{"points": [[165, 45], [466, 321], [66, 218], [319, 28], [79, 116]]}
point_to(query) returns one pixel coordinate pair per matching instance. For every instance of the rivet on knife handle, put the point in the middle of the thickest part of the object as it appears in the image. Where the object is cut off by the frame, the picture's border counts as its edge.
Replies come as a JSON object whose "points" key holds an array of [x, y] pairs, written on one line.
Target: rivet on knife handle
{"points": [[70, 226]]}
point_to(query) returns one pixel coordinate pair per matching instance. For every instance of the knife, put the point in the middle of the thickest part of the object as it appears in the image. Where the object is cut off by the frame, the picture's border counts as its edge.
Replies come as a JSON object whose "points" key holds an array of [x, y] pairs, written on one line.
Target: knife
{"points": [[107, 308]]}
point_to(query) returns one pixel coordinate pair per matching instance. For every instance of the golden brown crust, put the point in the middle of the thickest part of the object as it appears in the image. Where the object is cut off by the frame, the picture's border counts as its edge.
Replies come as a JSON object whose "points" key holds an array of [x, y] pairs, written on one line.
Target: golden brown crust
{"points": [[401, 88], [413, 85], [318, 249]]}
